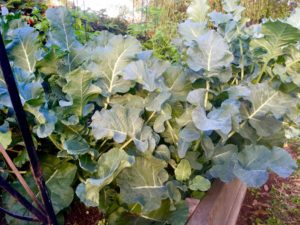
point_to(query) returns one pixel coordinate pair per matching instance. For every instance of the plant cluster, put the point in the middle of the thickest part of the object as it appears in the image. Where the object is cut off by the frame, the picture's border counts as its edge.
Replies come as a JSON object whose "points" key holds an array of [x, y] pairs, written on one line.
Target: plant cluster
{"points": [[135, 135]]}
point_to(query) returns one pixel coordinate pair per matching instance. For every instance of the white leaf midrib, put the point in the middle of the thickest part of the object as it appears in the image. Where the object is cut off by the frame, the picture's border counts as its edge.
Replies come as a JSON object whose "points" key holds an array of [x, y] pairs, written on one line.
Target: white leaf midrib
{"points": [[262, 105]]}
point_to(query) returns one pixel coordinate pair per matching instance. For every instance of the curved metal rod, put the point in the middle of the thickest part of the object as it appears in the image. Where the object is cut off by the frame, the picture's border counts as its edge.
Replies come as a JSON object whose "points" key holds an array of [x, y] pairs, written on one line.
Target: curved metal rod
{"points": [[24, 127], [14, 193], [25, 218], [20, 178]]}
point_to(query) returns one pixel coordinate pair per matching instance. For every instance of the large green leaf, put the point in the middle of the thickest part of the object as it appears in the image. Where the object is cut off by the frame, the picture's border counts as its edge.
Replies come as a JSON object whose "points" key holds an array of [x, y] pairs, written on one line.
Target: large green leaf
{"points": [[46, 120], [144, 183], [190, 31], [101, 40], [128, 100], [186, 136], [276, 36], [254, 161], [252, 165], [218, 119], [155, 101], [180, 215], [198, 10], [147, 72], [266, 126], [5, 135], [164, 116], [177, 83], [59, 176], [161, 216], [202, 122], [109, 165], [76, 145], [224, 160], [24, 49], [219, 18], [32, 97], [183, 170], [281, 162], [108, 62], [266, 100], [292, 63], [61, 34], [59, 179], [121, 122], [81, 89], [197, 97], [211, 53], [199, 183]]}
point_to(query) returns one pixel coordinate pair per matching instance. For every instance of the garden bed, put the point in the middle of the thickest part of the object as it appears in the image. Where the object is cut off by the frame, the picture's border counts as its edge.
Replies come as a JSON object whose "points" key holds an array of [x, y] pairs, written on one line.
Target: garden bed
{"points": [[221, 205]]}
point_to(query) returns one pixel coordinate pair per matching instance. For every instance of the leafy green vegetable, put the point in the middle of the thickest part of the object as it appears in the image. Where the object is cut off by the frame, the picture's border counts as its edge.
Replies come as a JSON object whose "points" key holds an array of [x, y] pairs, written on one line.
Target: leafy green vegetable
{"points": [[183, 170], [198, 10], [199, 183], [143, 183], [277, 36], [81, 90], [120, 122], [253, 162], [109, 61], [24, 49], [136, 134], [59, 176], [109, 165], [5, 135], [210, 53]]}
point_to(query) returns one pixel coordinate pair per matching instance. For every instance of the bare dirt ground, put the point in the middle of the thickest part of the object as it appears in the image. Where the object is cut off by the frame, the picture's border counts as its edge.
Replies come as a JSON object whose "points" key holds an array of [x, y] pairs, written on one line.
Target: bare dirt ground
{"points": [[78, 214]]}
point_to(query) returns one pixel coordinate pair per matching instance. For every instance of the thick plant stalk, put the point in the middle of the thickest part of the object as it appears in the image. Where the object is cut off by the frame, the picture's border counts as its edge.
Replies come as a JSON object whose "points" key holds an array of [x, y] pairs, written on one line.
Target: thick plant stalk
{"points": [[24, 127], [23, 201], [20, 178]]}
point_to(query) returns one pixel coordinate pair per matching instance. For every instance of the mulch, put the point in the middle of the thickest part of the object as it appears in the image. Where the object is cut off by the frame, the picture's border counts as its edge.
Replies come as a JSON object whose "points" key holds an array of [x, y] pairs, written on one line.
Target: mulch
{"points": [[79, 214]]}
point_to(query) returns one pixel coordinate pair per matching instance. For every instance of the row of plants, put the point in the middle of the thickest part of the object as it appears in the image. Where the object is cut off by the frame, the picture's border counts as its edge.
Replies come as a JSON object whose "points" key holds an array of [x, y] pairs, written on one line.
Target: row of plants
{"points": [[158, 26], [135, 135], [162, 17]]}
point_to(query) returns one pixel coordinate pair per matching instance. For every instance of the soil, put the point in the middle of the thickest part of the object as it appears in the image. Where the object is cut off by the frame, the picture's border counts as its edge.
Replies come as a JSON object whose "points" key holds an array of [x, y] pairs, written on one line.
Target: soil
{"points": [[276, 203], [79, 214]]}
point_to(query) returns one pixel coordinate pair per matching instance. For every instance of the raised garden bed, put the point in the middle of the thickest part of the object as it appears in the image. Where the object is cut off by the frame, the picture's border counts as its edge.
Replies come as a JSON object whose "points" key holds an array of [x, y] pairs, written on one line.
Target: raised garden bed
{"points": [[221, 205]]}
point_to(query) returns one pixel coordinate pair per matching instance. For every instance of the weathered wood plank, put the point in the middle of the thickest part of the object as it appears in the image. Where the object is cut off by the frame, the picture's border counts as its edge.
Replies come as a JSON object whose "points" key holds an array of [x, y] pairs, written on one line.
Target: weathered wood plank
{"points": [[221, 205]]}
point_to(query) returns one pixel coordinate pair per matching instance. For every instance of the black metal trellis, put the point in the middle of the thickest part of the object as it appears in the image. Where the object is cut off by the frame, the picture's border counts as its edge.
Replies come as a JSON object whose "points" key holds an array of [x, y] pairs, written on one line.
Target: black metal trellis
{"points": [[46, 214]]}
